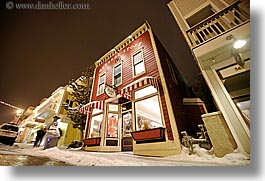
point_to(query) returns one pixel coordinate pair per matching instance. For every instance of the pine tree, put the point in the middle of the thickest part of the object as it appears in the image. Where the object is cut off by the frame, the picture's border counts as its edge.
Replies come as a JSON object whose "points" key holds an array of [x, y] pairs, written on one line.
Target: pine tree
{"points": [[81, 90]]}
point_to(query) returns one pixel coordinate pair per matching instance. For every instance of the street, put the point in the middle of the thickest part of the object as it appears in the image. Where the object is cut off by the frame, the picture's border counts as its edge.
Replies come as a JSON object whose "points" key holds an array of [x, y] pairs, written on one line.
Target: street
{"points": [[11, 158]]}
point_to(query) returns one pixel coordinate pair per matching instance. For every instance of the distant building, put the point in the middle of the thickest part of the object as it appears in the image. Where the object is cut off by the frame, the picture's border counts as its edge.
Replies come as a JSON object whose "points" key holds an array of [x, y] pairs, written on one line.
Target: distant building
{"points": [[43, 116], [211, 29], [137, 99]]}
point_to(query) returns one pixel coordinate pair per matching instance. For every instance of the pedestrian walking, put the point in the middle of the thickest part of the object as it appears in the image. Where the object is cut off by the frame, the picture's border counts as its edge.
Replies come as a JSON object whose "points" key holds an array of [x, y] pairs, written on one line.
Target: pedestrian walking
{"points": [[40, 135]]}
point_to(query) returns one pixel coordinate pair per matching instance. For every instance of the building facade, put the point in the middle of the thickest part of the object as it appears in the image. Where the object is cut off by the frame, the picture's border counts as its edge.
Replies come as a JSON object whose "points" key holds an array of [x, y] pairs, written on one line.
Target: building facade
{"points": [[43, 116], [211, 29], [137, 99]]}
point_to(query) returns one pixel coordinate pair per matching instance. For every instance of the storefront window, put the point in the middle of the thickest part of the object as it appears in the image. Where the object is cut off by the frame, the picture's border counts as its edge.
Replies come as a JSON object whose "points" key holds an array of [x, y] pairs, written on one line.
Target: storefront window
{"points": [[112, 125], [95, 128], [148, 114], [127, 124], [145, 91], [138, 63]]}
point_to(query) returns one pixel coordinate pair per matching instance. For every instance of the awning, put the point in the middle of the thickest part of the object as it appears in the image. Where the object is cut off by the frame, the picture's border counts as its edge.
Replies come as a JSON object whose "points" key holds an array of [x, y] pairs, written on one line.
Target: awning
{"points": [[126, 91], [95, 104]]}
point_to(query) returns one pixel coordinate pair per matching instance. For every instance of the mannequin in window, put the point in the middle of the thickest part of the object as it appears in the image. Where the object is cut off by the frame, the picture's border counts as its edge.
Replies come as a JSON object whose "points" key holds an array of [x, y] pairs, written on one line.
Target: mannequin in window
{"points": [[112, 125]]}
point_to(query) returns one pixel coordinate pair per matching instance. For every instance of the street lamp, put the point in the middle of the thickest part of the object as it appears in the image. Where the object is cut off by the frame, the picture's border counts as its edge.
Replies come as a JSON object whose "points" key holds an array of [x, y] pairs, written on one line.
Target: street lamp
{"points": [[237, 44]]}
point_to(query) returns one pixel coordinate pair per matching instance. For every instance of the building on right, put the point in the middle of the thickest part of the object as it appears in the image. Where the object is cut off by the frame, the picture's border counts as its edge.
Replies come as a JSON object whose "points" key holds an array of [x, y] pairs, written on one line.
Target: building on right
{"points": [[218, 34]]}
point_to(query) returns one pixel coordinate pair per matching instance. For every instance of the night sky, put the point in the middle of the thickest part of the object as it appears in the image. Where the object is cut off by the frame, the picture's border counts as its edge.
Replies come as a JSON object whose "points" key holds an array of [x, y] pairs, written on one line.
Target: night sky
{"points": [[41, 50]]}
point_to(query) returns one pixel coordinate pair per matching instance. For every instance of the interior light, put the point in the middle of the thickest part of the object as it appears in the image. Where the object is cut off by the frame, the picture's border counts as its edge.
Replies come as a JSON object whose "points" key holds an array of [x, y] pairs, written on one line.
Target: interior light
{"points": [[112, 49], [239, 43], [130, 36]]}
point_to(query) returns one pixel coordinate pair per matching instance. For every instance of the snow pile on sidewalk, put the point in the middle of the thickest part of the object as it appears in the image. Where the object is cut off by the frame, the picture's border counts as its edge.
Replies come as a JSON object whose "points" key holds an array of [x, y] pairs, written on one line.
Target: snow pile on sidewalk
{"points": [[83, 158]]}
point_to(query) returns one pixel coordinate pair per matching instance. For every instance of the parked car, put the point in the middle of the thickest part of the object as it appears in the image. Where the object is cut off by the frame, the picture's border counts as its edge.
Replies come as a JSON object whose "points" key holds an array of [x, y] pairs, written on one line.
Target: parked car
{"points": [[8, 133]]}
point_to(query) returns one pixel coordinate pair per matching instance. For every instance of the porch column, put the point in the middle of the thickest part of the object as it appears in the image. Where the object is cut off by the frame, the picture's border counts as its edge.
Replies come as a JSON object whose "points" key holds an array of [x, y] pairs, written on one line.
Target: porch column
{"points": [[234, 120]]}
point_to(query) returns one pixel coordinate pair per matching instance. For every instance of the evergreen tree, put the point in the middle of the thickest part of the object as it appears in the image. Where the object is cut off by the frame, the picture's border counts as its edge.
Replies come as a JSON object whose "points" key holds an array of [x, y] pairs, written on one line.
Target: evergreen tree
{"points": [[81, 90]]}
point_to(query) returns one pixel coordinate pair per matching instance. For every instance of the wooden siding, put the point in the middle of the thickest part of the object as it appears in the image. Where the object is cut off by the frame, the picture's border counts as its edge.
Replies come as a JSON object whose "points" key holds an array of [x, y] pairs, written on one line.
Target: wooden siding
{"points": [[187, 6], [177, 90], [143, 43]]}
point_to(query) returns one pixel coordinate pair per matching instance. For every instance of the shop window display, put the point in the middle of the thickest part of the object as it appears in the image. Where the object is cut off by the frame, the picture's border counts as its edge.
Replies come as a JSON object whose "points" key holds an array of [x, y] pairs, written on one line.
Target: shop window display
{"points": [[145, 92], [148, 114], [95, 129], [127, 124], [112, 125]]}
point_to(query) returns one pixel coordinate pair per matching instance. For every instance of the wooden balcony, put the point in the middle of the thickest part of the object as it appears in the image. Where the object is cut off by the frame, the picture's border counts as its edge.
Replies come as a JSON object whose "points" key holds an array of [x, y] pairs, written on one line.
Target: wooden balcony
{"points": [[217, 24]]}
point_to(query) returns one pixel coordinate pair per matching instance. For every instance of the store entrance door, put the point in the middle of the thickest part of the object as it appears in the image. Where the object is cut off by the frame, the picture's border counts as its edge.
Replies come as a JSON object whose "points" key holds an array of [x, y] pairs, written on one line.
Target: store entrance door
{"points": [[127, 141]]}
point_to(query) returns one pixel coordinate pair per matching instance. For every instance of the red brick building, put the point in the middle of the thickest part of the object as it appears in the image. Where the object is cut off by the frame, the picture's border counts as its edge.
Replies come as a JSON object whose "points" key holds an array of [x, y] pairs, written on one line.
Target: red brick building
{"points": [[137, 99]]}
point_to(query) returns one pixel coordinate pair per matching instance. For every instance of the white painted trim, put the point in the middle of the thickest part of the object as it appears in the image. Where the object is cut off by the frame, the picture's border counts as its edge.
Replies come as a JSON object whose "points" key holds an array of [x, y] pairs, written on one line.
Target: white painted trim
{"points": [[166, 93], [105, 72], [115, 65], [133, 66]]}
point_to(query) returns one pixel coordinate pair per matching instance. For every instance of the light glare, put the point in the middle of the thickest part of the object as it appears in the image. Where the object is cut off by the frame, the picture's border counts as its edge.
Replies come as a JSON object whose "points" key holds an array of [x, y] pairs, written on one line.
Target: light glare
{"points": [[239, 44]]}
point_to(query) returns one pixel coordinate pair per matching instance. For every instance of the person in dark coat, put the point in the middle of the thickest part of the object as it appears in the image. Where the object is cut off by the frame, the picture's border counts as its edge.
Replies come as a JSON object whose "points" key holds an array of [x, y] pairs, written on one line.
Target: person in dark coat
{"points": [[40, 135]]}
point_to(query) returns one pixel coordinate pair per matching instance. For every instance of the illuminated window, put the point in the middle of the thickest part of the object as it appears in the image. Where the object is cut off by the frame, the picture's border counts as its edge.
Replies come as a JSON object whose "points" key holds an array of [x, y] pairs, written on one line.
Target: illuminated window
{"points": [[145, 91], [101, 83], [112, 125], [148, 114], [138, 63], [117, 75], [127, 124], [95, 127]]}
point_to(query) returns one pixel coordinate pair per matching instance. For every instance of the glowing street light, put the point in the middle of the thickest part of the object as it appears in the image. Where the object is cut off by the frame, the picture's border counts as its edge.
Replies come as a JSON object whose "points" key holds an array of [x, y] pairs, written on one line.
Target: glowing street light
{"points": [[239, 43]]}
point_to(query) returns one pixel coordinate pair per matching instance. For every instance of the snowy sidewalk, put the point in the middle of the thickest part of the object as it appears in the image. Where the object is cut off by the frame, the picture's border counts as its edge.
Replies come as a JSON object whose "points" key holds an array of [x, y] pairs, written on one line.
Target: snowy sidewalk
{"points": [[84, 158]]}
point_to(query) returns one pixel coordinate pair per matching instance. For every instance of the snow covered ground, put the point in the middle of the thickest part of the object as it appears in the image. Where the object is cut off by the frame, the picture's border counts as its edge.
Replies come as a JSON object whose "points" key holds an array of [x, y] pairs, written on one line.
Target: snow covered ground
{"points": [[84, 158]]}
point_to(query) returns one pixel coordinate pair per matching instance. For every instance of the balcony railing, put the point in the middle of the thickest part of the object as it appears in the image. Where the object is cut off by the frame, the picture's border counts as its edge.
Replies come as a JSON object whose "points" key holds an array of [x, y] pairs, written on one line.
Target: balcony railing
{"points": [[217, 24]]}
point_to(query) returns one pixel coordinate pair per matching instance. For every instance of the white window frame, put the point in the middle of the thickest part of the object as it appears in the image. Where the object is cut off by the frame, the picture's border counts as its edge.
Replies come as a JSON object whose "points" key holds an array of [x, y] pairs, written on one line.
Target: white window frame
{"points": [[144, 98], [133, 65], [99, 93], [113, 79]]}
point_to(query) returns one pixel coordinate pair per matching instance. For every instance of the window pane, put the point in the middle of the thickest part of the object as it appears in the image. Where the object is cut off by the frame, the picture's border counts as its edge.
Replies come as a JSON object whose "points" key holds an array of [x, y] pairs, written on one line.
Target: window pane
{"points": [[148, 114], [96, 126], [117, 69], [145, 91], [113, 107], [101, 89], [112, 125], [137, 58], [139, 68], [102, 78], [127, 124], [117, 80]]}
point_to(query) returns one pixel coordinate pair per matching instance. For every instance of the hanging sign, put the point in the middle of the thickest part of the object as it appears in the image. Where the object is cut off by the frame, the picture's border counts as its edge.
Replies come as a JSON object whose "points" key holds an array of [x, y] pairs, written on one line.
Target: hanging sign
{"points": [[109, 91]]}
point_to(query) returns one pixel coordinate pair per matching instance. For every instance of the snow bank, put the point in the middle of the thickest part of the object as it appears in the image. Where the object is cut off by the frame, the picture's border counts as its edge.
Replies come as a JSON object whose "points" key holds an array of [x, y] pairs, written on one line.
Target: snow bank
{"points": [[201, 157]]}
